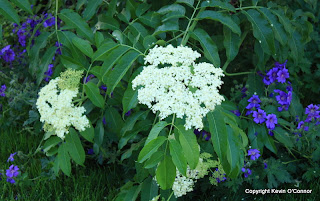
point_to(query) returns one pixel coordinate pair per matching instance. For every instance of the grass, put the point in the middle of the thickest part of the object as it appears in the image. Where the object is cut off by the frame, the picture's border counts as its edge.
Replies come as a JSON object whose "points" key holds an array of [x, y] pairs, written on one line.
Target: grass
{"points": [[93, 182]]}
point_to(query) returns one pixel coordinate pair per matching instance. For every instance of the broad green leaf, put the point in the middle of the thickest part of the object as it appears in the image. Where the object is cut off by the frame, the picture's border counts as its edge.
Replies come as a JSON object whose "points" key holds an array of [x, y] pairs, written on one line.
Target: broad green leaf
{"points": [[150, 189], [88, 134], [151, 19], [177, 156], [80, 3], [121, 69], [114, 120], [209, 47], [23, 4], [124, 140], [1, 36], [8, 11], [40, 42], [166, 173], [44, 62], [150, 148], [75, 147], [84, 46], [262, 30], [98, 134], [296, 47], [278, 29], [73, 19], [51, 142], [234, 154], [189, 146], [103, 51], [56, 165], [284, 20], [142, 8], [91, 9], [283, 137], [222, 18], [64, 159], [218, 4], [156, 130], [98, 39], [133, 193], [169, 25], [93, 92], [255, 85], [154, 159], [188, 2], [96, 71], [231, 42], [128, 153], [149, 41], [130, 122], [137, 28], [130, 99], [295, 107], [111, 59], [268, 140], [107, 23], [172, 8], [255, 137], [69, 62]]}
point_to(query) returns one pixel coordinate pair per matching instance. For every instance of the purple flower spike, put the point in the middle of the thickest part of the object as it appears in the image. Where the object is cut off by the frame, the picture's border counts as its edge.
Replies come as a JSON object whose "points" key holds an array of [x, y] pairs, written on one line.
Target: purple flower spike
{"points": [[254, 154], [283, 74], [254, 101], [11, 157], [49, 22], [259, 117], [7, 54], [271, 121], [48, 73], [2, 89]]}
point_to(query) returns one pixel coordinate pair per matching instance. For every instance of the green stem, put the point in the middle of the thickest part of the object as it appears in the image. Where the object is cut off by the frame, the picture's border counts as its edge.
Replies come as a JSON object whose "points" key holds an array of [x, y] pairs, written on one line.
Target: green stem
{"points": [[235, 74], [155, 118], [170, 196], [56, 24], [82, 95], [190, 26], [134, 49]]}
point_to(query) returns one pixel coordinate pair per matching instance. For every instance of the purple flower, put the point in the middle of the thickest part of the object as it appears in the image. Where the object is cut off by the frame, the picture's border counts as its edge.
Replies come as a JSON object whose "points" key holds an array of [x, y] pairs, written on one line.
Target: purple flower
{"points": [[271, 121], [283, 98], [90, 152], [2, 89], [266, 80], [283, 107], [302, 126], [272, 74], [22, 37], [10, 180], [289, 88], [270, 133], [104, 121], [279, 65], [48, 73], [196, 132], [58, 51], [236, 112], [128, 113], [254, 154], [259, 117], [265, 165], [7, 54], [103, 87], [311, 109], [12, 171], [254, 101], [87, 79], [282, 74], [247, 172], [49, 22], [11, 157], [243, 169]]}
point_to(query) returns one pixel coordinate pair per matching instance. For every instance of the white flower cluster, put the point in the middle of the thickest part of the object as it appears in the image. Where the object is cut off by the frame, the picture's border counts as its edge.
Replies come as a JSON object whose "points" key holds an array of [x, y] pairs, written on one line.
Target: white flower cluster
{"points": [[181, 87], [57, 110]]}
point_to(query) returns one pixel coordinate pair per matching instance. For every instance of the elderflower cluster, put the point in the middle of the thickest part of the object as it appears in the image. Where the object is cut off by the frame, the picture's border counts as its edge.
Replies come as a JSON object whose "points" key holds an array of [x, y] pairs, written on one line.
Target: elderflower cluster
{"points": [[56, 108], [180, 86]]}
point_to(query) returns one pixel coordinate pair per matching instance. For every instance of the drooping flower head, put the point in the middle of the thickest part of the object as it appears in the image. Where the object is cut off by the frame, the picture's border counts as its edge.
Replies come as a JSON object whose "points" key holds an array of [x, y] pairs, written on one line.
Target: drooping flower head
{"points": [[173, 83], [259, 117], [271, 121], [254, 154]]}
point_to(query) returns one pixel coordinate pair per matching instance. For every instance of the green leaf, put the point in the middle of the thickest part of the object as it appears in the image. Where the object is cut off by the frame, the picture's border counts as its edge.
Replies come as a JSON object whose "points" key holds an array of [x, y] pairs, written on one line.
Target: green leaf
{"points": [[130, 99], [98, 39], [149, 41], [295, 107], [284, 20], [156, 130], [172, 8], [8, 11], [98, 134], [262, 30], [218, 4], [1, 36], [69, 62], [235, 155], [151, 19], [56, 165], [23, 4], [88, 134], [231, 42], [189, 146], [154, 159], [102, 53], [111, 59], [91, 9], [75, 147], [124, 140], [278, 29], [222, 18], [44, 63], [296, 47], [267, 140], [166, 173], [121, 69], [73, 19], [64, 159], [142, 8], [94, 95], [169, 25], [130, 122], [84, 46], [150, 189], [255, 85], [283, 137], [114, 120], [51, 142], [177, 156], [150, 148], [40, 43], [188, 2], [210, 49], [255, 137], [137, 28], [133, 193]]}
